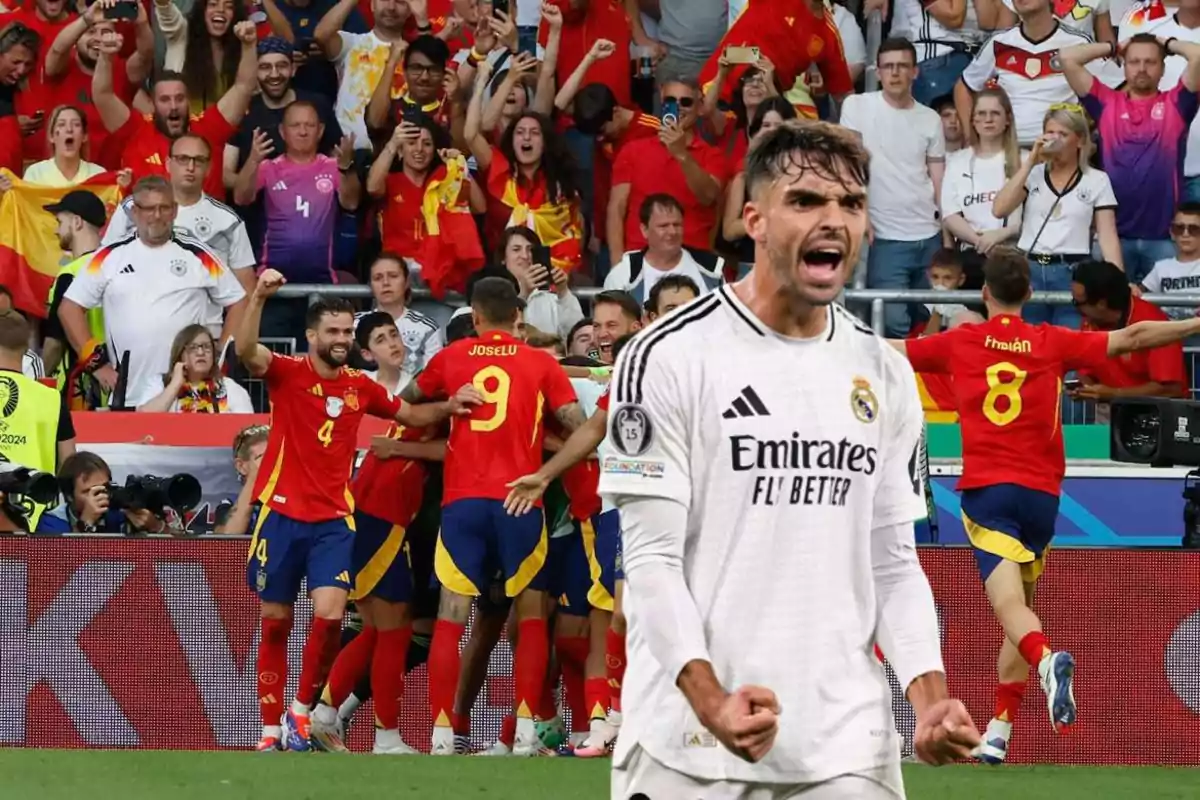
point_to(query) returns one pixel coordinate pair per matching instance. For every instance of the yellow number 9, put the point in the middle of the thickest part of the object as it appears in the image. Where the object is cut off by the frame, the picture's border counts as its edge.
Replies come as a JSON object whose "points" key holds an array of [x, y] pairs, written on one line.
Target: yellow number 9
{"points": [[325, 434], [497, 396], [998, 387]]}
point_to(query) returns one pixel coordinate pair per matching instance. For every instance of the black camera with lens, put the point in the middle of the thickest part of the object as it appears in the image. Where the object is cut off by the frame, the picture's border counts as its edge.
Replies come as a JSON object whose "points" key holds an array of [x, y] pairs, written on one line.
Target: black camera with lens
{"points": [[179, 492], [40, 487]]}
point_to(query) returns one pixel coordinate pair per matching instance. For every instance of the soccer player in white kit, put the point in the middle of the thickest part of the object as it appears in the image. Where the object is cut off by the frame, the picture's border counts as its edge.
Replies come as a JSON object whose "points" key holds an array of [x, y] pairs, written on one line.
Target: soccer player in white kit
{"points": [[766, 471]]}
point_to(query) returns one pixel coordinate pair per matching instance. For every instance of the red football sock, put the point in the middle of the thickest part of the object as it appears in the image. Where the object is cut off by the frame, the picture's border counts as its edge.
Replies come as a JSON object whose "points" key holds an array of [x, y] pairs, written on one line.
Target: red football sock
{"points": [[461, 724], [508, 730], [596, 692], [387, 675], [319, 653], [1008, 700], [272, 668], [444, 665], [350, 666], [614, 659], [1033, 647], [529, 665], [572, 655]]}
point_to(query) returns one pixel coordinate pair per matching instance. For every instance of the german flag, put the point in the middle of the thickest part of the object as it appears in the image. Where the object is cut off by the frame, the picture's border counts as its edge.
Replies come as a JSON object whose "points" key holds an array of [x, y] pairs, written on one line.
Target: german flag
{"points": [[29, 251]]}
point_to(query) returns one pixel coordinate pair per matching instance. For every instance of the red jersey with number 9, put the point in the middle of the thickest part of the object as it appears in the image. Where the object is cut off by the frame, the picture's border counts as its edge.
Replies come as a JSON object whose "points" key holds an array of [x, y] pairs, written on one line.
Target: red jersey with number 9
{"points": [[1008, 389], [305, 473], [502, 439]]}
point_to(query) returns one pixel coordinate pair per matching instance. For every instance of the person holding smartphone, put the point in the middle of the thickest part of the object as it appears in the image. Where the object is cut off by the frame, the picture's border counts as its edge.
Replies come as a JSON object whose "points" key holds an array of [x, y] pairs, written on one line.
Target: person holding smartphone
{"points": [[549, 304]]}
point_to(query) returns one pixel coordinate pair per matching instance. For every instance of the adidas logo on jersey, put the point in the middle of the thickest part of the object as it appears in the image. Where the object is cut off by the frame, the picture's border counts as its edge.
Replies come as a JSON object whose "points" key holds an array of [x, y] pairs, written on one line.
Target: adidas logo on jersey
{"points": [[279, 186], [747, 404], [343, 576], [128, 270]]}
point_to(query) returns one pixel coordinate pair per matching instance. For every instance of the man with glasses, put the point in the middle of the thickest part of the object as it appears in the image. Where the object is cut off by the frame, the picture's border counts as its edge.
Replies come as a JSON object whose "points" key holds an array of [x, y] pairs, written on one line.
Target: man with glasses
{"points": [[423, 90], [678, 163], [150, 285], [197, 215]]}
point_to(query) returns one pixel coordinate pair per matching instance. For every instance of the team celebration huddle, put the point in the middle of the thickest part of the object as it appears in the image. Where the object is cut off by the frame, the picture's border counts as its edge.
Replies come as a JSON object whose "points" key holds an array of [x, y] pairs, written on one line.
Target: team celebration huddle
{"points": [[755, 567]]}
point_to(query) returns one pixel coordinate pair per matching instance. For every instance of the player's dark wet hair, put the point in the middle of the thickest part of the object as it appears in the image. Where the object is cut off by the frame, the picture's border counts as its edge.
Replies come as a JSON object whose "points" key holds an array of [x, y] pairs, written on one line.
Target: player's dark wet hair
{"points": [[1006, 275], [799, 145], [1103, 281], [496, 301], [326, 305], [619, 345], [668, 283], [369, 324], [621, 298]]}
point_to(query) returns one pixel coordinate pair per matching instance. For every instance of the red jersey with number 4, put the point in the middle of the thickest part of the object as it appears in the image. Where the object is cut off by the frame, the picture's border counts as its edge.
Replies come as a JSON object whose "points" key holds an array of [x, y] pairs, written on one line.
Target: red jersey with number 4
{"points": [[391, 489], [305, 473], [1008, 391], [502, 439]]}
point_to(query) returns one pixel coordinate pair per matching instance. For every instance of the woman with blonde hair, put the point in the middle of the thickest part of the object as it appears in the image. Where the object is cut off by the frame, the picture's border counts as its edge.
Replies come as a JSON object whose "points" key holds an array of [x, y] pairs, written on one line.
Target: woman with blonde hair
{"points": [[1065, 200], [196, 384], [67, 130], [976, 174]]}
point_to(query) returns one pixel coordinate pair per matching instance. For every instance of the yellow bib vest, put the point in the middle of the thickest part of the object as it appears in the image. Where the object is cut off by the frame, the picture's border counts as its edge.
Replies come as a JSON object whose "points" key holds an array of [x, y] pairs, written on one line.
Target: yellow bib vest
{"points": [[29, 426], [95, 318]]}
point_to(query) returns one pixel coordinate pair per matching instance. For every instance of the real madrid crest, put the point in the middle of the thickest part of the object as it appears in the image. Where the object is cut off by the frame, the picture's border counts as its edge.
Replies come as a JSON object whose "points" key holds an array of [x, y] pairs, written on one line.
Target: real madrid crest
{"points": [[863, 401], [333, 407]]}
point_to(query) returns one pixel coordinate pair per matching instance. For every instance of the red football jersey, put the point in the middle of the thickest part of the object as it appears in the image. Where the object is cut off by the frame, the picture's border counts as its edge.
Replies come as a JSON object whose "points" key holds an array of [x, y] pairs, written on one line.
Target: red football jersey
{"points": [[1158, 365], [391, 489], [143, 148], [1008, 387], [502, 439], [314, 435], [581, 483]]}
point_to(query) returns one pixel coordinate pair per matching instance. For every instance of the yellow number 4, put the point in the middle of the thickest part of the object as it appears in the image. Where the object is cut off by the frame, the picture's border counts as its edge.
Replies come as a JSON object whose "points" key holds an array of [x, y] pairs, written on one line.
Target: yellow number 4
{"points": [[999, 387], [325, 434], [497, 396], [261, 552]]}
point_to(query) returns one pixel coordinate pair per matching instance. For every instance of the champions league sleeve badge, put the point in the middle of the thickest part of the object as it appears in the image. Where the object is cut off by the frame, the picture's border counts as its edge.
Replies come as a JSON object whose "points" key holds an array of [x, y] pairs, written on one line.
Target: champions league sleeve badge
{"points": [[631, 431]]}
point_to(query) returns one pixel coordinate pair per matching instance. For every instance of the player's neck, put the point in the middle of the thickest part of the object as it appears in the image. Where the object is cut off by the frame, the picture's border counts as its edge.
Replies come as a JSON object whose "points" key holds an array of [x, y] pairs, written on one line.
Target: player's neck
{"points": [[322, 369], [488, 330], [994, 310], [767, 300], [11, 361]]}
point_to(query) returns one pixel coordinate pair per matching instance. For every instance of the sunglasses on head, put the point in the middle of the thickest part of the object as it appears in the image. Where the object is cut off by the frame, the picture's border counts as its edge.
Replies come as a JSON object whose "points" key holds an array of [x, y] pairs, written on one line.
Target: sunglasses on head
{"points": [[683, 102], [1185, 229]]}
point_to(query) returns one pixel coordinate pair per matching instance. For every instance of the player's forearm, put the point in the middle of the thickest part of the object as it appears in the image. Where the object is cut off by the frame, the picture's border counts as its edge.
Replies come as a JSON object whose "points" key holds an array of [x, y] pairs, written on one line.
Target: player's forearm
{"points": [[907, 628], [926, 689], [52, 353], [652, 538], [421, 415], [246, 338], [581, 444], [1148, 335], [423, 451], [74, 323], [238, 520]]}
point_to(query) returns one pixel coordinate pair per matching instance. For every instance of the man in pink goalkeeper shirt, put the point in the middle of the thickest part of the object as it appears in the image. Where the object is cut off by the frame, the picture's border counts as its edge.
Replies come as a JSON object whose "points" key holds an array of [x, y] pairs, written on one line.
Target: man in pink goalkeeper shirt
{"points": [[303, 190]]}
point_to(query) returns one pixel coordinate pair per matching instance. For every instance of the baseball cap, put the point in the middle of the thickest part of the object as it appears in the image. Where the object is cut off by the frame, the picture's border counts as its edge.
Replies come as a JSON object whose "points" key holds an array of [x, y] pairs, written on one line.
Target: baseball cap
{"points": [[84, 205]]}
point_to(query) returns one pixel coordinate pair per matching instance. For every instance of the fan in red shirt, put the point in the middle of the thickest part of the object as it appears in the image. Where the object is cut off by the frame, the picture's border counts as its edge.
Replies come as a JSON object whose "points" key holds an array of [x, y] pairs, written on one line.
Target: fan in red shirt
{"points": [[680, 164], [388, 489], [305, 530], [1008, 386], [1103, 297], [426, 210], [71, 63], [530, 180], [794, 38], [142, 143], [600, 20], [501, 441], [33, 103], [19, 47]]}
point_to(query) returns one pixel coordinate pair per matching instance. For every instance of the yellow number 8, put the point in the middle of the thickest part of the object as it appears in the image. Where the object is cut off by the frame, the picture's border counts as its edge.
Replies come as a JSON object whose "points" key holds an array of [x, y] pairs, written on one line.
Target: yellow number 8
{"points": [[497, 396], [998, 387], [325, 434]]}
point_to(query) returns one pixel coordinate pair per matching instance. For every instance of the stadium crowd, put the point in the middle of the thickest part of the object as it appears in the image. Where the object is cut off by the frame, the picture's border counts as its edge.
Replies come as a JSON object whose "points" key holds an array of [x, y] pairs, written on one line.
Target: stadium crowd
{"points": [[463, 146]]}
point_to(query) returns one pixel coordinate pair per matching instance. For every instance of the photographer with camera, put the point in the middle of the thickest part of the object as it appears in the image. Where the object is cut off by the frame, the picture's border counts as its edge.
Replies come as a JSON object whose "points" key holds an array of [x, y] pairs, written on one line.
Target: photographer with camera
{"points": [[35, 425], [248, 448], [93, 504]]}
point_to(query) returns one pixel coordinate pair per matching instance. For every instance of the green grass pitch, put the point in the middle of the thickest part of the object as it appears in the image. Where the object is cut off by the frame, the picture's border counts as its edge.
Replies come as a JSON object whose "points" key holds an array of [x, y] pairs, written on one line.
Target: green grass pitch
{"points": [[160, 775]]}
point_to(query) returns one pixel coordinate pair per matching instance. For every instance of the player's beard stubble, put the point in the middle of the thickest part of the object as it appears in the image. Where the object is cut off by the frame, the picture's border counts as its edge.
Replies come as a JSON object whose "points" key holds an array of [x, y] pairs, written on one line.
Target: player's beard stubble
{"points": [[326, 354]]}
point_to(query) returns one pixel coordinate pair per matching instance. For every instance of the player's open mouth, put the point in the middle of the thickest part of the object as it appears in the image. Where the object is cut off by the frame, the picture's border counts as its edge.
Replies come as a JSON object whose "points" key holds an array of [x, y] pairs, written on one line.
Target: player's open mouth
{"points": [[823, 259]]}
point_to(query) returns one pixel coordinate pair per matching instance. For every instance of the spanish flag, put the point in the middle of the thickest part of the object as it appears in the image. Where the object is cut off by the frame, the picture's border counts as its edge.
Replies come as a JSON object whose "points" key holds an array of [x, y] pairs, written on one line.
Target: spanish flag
{"points": [[30, 255], [557, 224], [450, 249], [792, 36]]}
